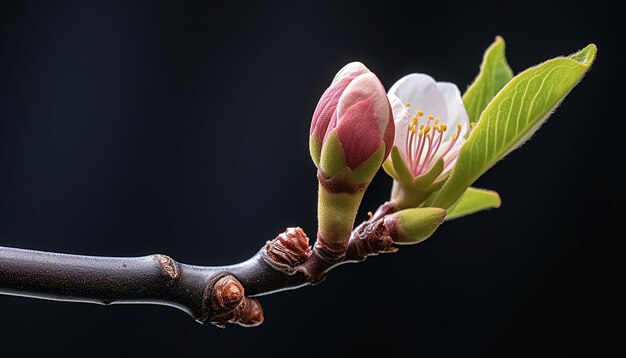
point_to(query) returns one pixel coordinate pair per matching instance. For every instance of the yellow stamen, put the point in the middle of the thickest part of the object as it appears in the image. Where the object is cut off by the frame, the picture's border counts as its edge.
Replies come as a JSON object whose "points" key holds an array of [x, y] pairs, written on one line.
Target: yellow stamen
{"points": [[422, 155], [369, 213], [407, 105]]}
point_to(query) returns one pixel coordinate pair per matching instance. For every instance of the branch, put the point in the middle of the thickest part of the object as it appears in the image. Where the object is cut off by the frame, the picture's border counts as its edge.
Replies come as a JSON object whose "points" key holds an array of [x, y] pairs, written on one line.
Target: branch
{"points": [[210, 294]]}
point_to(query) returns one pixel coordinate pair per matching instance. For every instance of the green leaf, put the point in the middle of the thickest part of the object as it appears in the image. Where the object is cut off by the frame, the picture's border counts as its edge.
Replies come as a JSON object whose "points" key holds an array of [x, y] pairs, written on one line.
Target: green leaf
{"points": [[513, 115], [474, 200], [494, 74]]}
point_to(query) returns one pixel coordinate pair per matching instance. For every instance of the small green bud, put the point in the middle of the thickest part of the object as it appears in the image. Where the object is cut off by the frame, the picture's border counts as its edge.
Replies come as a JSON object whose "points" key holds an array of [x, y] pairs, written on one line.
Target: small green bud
{"points": [[412, 226]]}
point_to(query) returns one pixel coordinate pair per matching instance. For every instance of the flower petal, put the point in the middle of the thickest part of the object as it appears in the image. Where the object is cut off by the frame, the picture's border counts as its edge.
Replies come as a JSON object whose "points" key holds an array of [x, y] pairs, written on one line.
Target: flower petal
{"points": [[421, 92], [363, 117], [352, 70], [456, 110], [358, 132], [325, 109], [366, 86], [400, 111], [401, 119]]}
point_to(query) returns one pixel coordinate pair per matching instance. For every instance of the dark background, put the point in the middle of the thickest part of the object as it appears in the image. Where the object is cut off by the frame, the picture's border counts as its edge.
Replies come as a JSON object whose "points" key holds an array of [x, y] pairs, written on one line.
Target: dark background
{"points": [[141, 127]]}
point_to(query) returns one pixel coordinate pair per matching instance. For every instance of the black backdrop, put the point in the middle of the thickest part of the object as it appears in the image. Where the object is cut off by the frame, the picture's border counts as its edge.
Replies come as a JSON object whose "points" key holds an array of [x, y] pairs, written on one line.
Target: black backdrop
{"points": [[142, 127]]}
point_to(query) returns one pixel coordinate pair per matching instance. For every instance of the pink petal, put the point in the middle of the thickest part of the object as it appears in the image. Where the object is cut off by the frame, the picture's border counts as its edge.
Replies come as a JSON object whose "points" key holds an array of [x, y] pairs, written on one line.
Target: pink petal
{"points": [[366, 86], [359, 132], [390, 132], [326, 108]]}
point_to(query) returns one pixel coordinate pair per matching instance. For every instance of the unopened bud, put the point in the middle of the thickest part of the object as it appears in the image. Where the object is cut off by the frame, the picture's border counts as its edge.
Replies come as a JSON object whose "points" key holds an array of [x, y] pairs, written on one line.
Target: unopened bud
{"points": [[352, 126], [412, 226]]}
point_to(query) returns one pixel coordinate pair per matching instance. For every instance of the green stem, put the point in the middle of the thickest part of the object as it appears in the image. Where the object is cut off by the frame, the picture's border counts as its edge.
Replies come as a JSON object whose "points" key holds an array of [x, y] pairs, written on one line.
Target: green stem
{"points": [[336, 214], [406, 196]]}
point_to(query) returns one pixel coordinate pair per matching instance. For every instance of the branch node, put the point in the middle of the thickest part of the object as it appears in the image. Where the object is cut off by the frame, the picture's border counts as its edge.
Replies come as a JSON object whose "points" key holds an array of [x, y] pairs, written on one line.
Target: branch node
{"points": [[369, 239], [230, 305], [325, 255], [169, 266], [330, 252], [287, 251]]}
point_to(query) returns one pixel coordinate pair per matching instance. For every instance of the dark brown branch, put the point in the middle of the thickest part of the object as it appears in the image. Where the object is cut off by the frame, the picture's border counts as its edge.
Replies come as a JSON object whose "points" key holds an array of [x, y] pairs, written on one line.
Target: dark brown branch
{"points": [[209, 294], [105, 280]]}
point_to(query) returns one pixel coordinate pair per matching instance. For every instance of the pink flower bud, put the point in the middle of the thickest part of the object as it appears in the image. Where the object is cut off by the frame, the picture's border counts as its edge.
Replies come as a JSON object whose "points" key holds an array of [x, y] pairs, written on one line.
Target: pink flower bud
{"points": [[355, 108]]}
